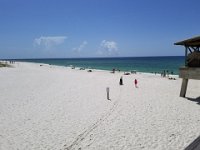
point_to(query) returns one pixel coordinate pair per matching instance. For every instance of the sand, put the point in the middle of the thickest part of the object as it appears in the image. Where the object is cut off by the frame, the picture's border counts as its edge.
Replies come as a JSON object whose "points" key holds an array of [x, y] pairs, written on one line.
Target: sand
{"points": [[52, 107]]}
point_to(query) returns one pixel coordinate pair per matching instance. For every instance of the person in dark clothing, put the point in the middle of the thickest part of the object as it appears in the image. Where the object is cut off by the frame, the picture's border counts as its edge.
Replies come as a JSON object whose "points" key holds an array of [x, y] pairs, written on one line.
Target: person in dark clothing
{"points": [[121, 81]]}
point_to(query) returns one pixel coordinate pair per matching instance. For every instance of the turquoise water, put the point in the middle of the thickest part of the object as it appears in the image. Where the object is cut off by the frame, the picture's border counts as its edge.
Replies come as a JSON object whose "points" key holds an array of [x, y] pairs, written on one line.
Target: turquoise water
{"points": [[141, 64]]}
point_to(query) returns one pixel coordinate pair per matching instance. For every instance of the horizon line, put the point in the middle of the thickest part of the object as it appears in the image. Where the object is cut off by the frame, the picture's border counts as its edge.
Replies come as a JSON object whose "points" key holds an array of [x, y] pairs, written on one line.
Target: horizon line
{"points": [[86, 57]]}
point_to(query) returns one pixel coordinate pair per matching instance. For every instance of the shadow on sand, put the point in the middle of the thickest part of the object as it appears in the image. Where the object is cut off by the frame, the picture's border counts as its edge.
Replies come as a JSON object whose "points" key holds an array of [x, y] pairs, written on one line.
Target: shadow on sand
{"points": [[194, 99], [195, 145]]}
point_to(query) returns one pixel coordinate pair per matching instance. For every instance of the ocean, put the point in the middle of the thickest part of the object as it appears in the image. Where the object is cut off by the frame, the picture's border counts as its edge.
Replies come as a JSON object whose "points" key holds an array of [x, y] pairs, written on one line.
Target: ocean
{"points": [[140, 64]]}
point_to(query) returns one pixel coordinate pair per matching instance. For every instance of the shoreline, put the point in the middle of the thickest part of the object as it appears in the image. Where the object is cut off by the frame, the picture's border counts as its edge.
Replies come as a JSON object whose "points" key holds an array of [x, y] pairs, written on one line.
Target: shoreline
{"points": [[141, 64], [99, 70]]}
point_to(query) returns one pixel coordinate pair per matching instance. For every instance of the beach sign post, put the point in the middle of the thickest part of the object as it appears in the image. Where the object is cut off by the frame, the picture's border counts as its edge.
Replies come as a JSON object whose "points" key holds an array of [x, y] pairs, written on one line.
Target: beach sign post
{"points": [[108, 91], [191, 70]]}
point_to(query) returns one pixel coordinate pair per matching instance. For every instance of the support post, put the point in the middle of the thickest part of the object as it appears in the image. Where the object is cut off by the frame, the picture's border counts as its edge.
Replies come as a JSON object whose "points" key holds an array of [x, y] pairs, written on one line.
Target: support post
{"points": [[184, 87], [186, 53], [108, 91]]}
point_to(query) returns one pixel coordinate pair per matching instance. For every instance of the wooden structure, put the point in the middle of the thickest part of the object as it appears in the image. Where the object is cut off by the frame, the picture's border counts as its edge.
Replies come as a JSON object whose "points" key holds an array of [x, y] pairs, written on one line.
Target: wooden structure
{"points": [[191, 70], [195, 145]]}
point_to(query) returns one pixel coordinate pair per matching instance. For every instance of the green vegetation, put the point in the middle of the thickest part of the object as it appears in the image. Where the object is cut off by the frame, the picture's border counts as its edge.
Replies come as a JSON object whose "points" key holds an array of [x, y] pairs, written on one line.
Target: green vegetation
{"points": [[4, 64]]}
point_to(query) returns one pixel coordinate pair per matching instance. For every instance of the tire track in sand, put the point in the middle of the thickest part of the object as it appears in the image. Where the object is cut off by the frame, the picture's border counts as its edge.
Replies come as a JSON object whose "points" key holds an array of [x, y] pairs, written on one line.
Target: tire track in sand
{"points": [[86, 132]]}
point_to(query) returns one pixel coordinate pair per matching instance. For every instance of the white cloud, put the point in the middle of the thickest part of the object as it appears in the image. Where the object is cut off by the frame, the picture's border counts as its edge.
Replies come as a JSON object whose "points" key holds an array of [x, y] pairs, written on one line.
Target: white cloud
{"points": [[80, 48], [49, 41], [108, 48]]}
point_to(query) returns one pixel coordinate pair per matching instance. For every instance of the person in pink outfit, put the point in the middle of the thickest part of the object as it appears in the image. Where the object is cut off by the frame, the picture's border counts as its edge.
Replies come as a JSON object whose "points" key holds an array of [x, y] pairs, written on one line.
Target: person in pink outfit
{"points": [[136, 82]]}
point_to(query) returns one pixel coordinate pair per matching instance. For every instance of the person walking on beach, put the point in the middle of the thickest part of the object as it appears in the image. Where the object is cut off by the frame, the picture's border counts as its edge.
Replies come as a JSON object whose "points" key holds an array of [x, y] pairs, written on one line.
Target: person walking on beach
{"points": [[136, 82], [121, 81]]}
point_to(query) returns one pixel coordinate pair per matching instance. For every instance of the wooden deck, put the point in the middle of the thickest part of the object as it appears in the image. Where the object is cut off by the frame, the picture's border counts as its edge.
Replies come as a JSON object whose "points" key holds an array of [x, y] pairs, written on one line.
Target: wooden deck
{"points": [[188, 73], [195, 145]]}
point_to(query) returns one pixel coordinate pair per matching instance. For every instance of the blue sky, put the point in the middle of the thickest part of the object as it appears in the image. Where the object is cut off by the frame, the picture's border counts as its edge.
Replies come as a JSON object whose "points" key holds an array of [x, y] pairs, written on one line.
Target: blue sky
{"points": [[96, 28]]}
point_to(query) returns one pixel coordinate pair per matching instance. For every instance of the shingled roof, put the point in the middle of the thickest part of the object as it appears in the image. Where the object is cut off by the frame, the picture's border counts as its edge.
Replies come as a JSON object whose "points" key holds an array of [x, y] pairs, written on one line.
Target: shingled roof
{"points": [[195, 41]]}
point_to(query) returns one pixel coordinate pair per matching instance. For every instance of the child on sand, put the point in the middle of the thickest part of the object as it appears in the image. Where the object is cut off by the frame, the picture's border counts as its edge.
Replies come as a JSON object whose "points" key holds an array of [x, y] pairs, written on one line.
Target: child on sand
{"points": [[136, 82]]}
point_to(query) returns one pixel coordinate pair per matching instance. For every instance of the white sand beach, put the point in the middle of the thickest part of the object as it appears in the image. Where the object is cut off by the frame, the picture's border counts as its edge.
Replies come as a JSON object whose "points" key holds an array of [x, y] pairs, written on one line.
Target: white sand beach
{"points": [[51, 107]]}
